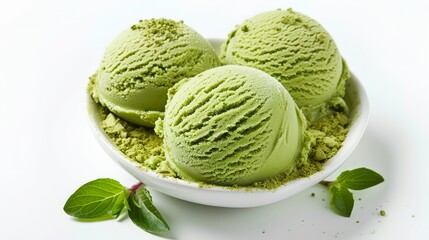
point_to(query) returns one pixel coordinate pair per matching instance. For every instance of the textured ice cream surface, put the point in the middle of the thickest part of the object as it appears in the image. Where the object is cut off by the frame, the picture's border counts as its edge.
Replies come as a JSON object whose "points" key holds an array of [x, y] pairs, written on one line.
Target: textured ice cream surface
{"points": [[297, 51], [143, 62], [232, 125]]}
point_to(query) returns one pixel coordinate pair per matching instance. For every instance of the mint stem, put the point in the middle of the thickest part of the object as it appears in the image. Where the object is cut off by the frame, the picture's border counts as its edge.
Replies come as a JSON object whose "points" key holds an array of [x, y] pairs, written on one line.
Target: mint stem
{"points": [[135, 187], [326, 183]]}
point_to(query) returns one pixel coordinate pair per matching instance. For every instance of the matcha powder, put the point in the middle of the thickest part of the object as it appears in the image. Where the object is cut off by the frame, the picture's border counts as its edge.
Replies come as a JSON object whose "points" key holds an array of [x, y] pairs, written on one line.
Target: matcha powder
{"points": [[327, 135], [139, 144]]}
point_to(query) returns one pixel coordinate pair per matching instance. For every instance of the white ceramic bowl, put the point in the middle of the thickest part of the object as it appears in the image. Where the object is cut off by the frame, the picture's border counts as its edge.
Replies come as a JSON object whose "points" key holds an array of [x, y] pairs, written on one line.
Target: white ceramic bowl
{"points": [[218, 196]]}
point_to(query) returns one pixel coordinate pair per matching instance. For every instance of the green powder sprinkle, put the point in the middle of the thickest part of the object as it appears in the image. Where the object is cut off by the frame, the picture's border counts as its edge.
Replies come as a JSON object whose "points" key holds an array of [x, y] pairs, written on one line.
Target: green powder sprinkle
{"points": [[139, 144], [382, 213], [328, 132], [244, 28], [291, 18], [321, 37], [162, 29]]}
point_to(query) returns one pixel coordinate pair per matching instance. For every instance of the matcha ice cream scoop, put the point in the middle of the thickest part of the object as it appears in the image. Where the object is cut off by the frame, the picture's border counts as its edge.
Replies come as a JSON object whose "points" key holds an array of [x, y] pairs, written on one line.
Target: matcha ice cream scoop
{"points": [[232, 125], [143, 62], [298, 52]]}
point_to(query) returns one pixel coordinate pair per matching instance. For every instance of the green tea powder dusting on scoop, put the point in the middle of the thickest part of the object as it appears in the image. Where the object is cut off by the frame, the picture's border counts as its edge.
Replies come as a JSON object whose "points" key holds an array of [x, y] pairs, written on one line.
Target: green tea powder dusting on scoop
{"points": [[139, 144]]}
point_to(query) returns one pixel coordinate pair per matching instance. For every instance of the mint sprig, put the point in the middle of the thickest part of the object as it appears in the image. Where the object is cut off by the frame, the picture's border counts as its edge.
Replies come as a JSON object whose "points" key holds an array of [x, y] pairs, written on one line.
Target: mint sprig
{"points": [[342, 200], [107, 199], [97, 199], [360, 178], [144, 214]]}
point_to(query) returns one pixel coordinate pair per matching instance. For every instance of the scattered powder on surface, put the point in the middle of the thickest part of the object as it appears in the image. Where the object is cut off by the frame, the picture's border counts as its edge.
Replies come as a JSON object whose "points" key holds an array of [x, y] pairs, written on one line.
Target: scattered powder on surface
{"points": [[161, 26], [144, 146], [327, 135], [139, 144], [329, 132]]}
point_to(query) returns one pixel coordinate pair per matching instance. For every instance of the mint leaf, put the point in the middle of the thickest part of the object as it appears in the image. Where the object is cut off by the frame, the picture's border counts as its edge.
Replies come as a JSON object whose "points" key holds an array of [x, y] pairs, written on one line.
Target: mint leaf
{"points": [[144, 214], [360, 178], [97, 199], [341, 200]]}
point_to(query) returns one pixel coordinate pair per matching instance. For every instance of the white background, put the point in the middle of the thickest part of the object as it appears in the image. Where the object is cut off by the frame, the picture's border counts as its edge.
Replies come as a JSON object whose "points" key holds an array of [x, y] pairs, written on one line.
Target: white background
{"points": [[48, 49]]}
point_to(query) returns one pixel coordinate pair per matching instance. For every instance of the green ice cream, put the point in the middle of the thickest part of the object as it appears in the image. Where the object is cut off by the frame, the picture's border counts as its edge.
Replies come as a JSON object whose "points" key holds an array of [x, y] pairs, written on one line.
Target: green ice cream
{"points": [[298, 52], [143, 62], [232, 125]]}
